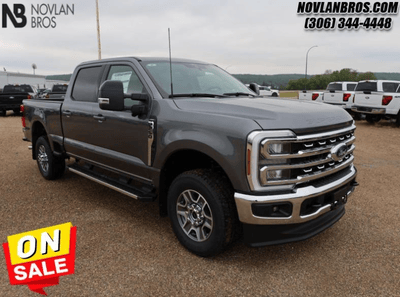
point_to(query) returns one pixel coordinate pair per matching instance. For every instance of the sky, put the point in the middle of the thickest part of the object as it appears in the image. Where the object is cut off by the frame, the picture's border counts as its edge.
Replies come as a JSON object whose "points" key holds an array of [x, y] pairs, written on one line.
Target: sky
{"points": [[243, 37]]}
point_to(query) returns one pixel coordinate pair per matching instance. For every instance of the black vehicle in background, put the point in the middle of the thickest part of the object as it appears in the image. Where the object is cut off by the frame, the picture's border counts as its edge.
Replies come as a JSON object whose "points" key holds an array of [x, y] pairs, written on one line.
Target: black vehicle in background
{"points": [[57, 91], [12, 95]]}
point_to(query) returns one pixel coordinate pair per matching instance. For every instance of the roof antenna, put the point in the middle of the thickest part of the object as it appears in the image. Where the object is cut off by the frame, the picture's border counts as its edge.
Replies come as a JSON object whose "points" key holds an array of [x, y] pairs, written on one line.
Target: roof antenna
{"points": [[170, 63]]}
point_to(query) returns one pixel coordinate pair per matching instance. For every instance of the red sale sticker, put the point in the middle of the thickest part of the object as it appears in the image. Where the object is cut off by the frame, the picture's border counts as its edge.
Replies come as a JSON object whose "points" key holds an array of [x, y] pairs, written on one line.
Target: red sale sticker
{"points": [[38, 258]]}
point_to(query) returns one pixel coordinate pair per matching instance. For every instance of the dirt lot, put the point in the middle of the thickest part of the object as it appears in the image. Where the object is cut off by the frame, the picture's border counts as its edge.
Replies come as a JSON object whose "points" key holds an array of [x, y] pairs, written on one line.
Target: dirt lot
{"points": [[125, 249]]}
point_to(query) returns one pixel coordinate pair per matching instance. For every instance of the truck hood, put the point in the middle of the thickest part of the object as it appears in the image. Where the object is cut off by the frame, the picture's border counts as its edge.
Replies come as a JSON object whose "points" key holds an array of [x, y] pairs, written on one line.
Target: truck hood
{"points": [[298, 116]]}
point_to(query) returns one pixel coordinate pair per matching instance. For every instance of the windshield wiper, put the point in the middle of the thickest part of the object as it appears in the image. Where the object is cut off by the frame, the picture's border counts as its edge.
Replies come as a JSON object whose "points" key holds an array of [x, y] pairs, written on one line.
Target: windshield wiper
{"points": [[237, 94], [196, 95]]}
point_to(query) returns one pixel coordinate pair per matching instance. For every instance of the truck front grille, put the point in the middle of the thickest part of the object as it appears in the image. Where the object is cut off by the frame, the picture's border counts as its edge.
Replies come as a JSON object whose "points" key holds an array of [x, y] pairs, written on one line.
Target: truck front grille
{"points": [[310, 157]]}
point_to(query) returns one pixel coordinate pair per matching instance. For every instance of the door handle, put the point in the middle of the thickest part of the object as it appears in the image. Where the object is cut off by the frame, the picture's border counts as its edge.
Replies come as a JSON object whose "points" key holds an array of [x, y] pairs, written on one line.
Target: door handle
{"points": [[67, 113], [100, 118]]}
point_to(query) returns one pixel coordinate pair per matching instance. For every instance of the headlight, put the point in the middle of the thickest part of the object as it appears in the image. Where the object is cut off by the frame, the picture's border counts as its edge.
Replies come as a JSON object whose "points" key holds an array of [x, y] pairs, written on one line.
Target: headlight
{"points": [[267, 159], [267, 174], [269, 147]]}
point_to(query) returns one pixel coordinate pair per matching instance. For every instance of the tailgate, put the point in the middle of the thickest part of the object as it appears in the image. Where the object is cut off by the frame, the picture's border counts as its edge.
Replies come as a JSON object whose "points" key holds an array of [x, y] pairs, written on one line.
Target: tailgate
{"points": [[304, 96], [371, 100], [334, 98], [12, 99]]}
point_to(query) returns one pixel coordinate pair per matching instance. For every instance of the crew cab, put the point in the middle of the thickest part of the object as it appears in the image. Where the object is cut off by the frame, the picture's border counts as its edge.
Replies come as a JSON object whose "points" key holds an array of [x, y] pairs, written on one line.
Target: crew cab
{"points": [[378, 99], [340, 93], [12, 95], [317, 96], [222, 162]]}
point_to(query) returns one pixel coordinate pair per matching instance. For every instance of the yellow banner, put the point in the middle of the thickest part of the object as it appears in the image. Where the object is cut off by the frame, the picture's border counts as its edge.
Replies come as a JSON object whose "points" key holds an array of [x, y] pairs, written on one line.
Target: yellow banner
{"points": [[39, 244]]}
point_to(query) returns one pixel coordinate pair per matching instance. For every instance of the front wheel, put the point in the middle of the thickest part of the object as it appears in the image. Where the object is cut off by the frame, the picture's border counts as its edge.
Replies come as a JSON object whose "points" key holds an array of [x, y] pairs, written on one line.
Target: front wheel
{"points": [[202, 212], [50, 166]]}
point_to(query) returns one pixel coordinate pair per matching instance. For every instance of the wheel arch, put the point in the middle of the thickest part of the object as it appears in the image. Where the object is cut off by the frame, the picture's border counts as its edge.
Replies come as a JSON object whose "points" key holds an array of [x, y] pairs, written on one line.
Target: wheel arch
{"points": [[180, 161]]}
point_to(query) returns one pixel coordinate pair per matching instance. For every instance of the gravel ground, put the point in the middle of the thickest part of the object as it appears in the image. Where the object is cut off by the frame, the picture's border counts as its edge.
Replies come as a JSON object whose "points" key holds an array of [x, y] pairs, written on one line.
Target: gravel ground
{"points": [[125, 249]]}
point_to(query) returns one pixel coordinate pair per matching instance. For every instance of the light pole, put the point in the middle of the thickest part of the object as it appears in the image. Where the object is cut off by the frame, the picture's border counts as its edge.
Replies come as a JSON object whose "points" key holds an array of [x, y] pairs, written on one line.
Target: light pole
{"points": [[98, 29], [305, 84]]}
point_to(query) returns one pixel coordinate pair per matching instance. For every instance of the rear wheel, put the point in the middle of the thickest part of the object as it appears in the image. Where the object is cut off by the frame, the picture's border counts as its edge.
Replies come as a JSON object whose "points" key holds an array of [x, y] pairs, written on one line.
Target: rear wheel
{"points": [[16, 111], [371, 118], [398, 120], [274, 95], [50, 166], [202, 212], [3, 112]]}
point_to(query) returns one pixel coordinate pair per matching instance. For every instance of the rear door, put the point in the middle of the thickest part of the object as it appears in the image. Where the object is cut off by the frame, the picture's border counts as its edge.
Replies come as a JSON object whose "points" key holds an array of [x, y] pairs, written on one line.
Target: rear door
{"points": [[79, 127]]}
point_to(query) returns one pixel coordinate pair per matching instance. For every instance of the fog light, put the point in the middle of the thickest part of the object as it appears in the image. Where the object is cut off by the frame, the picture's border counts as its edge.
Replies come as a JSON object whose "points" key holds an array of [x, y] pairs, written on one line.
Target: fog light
{"points": [[275, 210]]}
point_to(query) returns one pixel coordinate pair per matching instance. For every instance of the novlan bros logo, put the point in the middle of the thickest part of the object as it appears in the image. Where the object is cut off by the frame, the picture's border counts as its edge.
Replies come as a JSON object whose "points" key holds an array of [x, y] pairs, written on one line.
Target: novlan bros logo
{"points": [[42, 15], [17, 13]]}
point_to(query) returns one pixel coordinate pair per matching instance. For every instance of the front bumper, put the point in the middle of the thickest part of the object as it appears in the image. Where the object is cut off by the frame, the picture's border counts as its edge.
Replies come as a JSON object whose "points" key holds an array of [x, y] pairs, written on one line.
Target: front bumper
{"points": [[261, 235], [334, 195], [369, 110]]}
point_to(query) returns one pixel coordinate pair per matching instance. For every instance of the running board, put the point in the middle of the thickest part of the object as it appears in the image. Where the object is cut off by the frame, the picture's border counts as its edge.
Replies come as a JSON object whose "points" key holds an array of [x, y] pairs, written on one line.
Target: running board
{"points": [[116, 185]]}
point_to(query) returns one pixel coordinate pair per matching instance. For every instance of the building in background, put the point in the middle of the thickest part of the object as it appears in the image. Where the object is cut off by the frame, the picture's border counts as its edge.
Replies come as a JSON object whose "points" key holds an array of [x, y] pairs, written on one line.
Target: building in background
{"points": [[39, 81]]}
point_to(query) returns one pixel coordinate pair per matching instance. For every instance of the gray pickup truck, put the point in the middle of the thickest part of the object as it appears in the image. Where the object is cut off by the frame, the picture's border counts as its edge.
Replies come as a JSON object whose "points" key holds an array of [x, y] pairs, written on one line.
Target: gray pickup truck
{"points": [[222, 162]]}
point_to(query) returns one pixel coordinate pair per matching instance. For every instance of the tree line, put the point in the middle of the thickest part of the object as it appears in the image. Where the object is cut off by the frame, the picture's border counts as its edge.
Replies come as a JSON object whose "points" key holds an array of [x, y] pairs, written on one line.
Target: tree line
{"points": [[320, 82]]}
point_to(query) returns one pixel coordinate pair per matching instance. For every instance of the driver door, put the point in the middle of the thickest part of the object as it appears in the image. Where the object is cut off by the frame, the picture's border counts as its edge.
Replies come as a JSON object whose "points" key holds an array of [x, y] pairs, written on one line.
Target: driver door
{"points": [[123, 139]]}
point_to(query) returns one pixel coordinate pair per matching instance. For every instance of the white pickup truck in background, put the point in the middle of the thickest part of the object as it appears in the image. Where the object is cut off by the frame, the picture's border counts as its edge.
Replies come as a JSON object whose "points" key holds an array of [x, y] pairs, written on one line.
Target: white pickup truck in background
{"points": [[316, 96], [340, 93], [378, 99], [268, 92]]}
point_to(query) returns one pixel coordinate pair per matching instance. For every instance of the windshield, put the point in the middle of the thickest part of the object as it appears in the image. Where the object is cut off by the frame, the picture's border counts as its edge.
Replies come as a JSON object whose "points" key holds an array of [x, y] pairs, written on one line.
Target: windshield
{"points": [[194, 78], [367, 86]]}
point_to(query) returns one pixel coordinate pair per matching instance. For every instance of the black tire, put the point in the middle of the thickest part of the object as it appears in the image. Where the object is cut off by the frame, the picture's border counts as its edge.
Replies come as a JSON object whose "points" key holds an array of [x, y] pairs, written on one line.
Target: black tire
{"points": [[50, 166], [357, 116], [372, 118], [398, 120], [3, 112], [205, 198], [16, 111], [274, 95]]}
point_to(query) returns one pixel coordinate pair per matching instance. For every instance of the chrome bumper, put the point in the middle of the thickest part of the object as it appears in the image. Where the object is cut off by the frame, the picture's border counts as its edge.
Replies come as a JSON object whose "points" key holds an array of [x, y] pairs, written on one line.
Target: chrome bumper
{"points": [[244, 203], [370, 110]]}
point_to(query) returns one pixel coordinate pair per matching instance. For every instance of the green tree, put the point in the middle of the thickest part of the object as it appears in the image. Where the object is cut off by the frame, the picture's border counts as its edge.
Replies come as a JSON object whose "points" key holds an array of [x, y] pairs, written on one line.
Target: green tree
{"points": [[366, 76]]}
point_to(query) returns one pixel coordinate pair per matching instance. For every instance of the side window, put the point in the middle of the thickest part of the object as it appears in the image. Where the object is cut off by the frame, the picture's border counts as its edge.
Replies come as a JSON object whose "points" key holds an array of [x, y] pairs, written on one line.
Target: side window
{"points": [[86, 84], [390, 87], [351, 87], [129, 79]]}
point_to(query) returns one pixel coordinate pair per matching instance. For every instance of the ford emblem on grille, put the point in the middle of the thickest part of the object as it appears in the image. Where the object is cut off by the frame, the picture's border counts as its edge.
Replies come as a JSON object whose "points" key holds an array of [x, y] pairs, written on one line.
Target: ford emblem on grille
{"points": [[339, 151]]}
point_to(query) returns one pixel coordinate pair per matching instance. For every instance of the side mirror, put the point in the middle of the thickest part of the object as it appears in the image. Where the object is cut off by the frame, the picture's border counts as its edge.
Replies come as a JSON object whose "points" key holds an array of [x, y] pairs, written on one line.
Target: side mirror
{"points": [[111, 95], [139, 109], [255, 88]]}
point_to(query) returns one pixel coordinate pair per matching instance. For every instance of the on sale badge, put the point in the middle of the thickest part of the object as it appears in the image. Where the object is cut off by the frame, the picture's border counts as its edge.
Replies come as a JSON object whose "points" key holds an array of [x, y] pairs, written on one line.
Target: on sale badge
{"points": [[38, 258]]}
